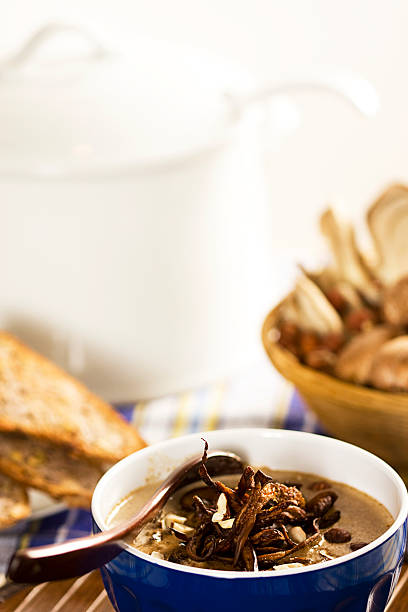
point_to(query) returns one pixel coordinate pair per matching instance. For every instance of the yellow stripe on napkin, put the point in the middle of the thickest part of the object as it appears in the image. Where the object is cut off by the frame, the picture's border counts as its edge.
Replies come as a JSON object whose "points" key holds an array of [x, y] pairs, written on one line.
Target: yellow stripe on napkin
{"points": [[181, 422], [26, 537], [213, 413], [139, 414]]}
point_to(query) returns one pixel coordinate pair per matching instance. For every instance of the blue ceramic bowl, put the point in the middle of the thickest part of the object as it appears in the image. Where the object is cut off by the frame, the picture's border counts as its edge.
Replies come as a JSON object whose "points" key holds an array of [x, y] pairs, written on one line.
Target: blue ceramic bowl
{"points": [[357, 582]]}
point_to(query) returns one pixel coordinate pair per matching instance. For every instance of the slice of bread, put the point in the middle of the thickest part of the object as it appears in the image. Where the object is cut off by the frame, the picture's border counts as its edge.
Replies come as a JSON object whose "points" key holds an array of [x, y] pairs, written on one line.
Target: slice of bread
{"points": [[48, 467], [14, 504], [38, 398]]}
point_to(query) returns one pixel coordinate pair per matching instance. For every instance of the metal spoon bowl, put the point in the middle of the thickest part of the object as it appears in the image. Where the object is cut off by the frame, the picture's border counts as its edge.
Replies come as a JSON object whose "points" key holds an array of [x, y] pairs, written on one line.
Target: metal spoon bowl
{"points": [[82, 555]]}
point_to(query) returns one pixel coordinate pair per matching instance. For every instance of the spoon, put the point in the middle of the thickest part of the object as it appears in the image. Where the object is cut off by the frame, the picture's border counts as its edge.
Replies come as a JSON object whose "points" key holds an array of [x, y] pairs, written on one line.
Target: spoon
{"points": [[77, 557]]}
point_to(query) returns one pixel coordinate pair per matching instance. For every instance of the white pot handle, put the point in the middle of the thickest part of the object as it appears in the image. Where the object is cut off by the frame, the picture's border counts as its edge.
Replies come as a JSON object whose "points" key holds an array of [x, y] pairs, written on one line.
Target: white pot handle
{"points": [[355, 89], [41, 36]]}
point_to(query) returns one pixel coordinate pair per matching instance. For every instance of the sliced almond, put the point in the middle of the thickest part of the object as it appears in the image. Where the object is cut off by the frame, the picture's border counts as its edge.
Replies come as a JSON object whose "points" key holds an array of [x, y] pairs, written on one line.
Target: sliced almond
{"points": [[181, 528], [221, 509], [169, 520], [286, 566], [157, 555], [227, 524]]}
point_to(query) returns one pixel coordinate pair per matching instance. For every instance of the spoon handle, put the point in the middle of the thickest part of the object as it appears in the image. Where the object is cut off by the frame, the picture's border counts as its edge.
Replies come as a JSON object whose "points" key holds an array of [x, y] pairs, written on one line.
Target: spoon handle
{"points": [[77, 557], [61, 561]]}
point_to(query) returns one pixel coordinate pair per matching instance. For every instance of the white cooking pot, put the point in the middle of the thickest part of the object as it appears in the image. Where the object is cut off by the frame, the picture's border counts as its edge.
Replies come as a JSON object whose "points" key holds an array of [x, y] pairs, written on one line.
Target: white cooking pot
{"points": [[134, 216]]}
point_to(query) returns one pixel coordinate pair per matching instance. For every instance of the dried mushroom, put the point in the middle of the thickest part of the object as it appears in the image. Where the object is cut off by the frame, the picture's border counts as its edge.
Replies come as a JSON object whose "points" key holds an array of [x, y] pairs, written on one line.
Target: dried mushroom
{"points": [[316, 309], [344, 297], [260, 524], [349, 263], [395, 306], [355, 360], [309, 309], [387, 220], [341, 320], [310, 327], [389, 369]]}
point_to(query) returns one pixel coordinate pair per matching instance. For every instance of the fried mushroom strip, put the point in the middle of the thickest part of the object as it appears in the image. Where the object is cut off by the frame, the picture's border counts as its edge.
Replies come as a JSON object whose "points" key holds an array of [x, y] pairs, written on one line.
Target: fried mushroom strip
{"points": [[246, 481], [249, 558], [271, 559], [255, 528], [231, 495], [265, 491]]}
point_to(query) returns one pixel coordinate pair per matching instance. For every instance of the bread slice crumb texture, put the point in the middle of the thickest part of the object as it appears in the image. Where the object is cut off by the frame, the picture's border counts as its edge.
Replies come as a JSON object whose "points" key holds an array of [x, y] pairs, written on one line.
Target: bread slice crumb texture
{"points": [[14, 505], [48, 467]]}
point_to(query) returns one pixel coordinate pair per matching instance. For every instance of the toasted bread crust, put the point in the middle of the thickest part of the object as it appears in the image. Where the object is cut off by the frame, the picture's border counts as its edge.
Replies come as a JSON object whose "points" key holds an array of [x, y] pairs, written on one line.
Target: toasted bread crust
{"points": [[40, 399], [48, 467], [14, 505]]}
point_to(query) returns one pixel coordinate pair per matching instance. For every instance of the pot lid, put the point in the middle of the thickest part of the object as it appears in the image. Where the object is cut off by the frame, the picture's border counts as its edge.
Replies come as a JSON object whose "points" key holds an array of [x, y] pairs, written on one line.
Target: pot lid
{"points": [[99, 112]]}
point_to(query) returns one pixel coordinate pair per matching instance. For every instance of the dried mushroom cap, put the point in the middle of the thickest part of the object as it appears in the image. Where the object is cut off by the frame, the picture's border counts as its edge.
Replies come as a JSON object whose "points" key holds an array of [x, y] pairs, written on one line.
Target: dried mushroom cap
{"points": [[387, 220], [349, 294], [395, 306], [327, 280], [355, 359], [324, 278], [349, 263], [309, 309], [389, 370]]}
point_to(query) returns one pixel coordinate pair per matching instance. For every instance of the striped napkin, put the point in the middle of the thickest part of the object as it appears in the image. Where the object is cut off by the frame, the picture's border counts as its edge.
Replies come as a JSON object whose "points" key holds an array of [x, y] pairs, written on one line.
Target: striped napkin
{"points": [[260, 398]]}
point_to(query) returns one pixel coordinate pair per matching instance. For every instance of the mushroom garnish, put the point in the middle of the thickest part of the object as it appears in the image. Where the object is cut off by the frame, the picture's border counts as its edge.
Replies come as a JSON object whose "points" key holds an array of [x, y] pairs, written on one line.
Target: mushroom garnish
{"points": [[389, 370], [355, 359], [395, 307], [340, 319], [310, 310], [387, 220], [350, 265]]}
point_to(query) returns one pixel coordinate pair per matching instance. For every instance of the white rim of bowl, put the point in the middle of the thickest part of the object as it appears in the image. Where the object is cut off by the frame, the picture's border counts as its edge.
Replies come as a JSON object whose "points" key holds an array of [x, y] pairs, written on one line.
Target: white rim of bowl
{"points": [[232, 574]]}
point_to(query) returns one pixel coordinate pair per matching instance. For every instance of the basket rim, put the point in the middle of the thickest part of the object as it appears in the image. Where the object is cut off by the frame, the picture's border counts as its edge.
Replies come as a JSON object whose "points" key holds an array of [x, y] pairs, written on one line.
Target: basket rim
{"points": [[338, 386]]}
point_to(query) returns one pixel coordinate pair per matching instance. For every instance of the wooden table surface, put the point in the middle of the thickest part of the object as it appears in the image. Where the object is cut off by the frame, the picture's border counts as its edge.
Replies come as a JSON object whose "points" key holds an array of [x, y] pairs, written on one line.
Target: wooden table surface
{"points": [[87, 594]]}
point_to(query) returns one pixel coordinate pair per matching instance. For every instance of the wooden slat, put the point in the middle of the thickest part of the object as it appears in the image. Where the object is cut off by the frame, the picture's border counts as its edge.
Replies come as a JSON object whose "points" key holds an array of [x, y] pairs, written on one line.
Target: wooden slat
{"points": [[86, 594], [399, 600], [77, 595], [11, 604], [101, 604], [81, 595], [44, 597]]}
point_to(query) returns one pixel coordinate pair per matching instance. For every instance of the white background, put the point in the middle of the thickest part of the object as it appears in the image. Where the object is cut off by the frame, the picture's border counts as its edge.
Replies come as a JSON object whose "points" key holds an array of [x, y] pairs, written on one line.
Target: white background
{"points": [[334, 155]]}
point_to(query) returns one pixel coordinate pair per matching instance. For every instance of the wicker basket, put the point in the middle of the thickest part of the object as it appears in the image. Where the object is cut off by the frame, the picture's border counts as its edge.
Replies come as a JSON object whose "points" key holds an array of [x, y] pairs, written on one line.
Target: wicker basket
{"points": [[375, 420]]}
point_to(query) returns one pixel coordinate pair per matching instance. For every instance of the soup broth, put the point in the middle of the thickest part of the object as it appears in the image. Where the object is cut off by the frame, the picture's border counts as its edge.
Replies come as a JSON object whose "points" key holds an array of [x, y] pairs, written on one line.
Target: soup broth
{"points": [[335, 520]]}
